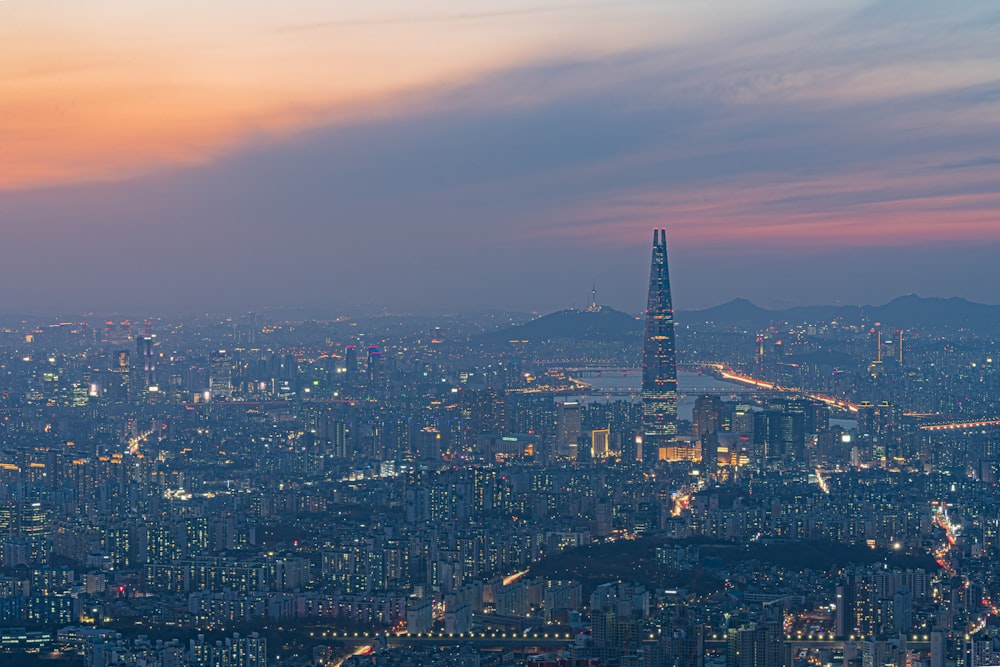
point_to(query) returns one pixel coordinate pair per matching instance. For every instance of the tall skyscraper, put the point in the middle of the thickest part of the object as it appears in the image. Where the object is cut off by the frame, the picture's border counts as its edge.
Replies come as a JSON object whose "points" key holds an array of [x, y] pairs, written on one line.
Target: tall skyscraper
{"points": [[659, 360], [220, 375], [145, 364], [708, 415], [351, 360], [375, 366]]}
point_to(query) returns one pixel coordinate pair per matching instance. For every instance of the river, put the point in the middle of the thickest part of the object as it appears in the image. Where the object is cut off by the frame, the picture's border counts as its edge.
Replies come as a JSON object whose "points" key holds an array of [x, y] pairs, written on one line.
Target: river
{"points": [[689, 387]]}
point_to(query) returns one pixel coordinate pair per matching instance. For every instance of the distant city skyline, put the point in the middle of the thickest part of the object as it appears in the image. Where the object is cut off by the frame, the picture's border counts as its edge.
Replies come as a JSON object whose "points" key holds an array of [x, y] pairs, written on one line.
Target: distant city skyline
{"points": [[322, 311], [184, 158]]}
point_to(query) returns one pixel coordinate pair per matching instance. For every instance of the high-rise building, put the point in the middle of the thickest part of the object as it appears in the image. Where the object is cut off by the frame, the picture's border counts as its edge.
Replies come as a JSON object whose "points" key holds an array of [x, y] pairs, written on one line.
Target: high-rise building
{"points": [[600, 443], [569, 427], [375, 366], [756, 644], [351, 360], [220, 375], [779, 435], [878, 430], [659, 360], [120, 384], [145, 370], [707, 416]]}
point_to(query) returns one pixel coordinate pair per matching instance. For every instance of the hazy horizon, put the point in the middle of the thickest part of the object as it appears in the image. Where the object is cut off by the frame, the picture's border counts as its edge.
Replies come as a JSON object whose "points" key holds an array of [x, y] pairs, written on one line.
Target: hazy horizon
{"points": [[319, 313]]}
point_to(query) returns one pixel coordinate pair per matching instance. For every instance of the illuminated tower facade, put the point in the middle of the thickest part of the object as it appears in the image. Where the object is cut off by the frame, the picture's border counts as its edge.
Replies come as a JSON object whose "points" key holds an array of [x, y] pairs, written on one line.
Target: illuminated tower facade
{"points": [[220, 375], [145, 365], [659, 360]]}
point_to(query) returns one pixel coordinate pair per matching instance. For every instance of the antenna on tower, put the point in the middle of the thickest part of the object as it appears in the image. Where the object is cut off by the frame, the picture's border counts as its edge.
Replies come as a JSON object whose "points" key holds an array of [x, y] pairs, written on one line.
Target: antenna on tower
{"points": [[593, 307]]}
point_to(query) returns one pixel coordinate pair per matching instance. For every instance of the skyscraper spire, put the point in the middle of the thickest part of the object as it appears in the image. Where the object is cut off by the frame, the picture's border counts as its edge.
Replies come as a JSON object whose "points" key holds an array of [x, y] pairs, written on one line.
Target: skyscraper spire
{"points": [[659, 360]]}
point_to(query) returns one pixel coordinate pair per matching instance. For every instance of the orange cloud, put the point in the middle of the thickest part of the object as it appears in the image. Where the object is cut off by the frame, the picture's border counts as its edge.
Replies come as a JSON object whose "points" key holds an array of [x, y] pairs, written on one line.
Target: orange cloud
{"points": [[110, 89]]}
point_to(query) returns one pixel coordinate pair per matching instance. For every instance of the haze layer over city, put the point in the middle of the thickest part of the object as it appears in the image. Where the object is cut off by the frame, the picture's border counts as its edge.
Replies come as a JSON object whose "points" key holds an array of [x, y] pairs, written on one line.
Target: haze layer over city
{"points": [[562, 334]]}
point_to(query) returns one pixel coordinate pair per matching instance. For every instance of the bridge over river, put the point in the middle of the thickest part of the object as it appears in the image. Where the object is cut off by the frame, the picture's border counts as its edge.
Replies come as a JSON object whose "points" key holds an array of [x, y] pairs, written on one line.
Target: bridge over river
{"points": [[562, 638]]}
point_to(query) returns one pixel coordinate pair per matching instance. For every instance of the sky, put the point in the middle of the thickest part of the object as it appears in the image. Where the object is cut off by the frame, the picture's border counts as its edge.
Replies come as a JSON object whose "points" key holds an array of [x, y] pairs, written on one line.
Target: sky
{"points": [[180, 157]]}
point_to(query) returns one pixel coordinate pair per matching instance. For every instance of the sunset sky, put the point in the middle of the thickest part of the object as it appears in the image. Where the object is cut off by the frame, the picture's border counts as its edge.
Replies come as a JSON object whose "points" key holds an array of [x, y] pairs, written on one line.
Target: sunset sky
{"points": [[167, 157]]}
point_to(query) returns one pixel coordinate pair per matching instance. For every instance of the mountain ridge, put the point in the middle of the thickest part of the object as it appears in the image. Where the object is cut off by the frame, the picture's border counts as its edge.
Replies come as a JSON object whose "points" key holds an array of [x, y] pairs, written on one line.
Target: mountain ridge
{"points": [[907, 311], [904, 312], [595, 323]]}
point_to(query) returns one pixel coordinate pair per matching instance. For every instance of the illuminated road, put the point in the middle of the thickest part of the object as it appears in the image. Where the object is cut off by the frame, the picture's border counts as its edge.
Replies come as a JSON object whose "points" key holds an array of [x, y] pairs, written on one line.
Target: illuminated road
{"points": [[943, 553], [540, 640], [682, 500], [960, 426], [943, 556], [914, 641], [534, 639], [821, 481], [135, 441], [511, 578], [361, 650], [730, 374], [726, 373]]}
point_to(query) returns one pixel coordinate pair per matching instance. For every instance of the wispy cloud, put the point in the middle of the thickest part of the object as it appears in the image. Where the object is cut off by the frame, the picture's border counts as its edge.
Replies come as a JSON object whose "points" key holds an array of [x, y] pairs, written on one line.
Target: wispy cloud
{"points": [[396, 18], [984, 161]]}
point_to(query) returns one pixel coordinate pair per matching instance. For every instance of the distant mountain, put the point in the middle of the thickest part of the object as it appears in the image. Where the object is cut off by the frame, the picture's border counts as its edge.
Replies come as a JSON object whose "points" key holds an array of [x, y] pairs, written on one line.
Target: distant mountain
{"points": [[610, 325], [938, 312], [903, 312], [737, 310], [601, 323]]}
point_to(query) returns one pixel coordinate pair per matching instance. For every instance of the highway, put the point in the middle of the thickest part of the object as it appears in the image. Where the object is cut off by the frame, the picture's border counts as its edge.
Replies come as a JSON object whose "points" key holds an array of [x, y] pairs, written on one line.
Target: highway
{"points": [[532, 639]]}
